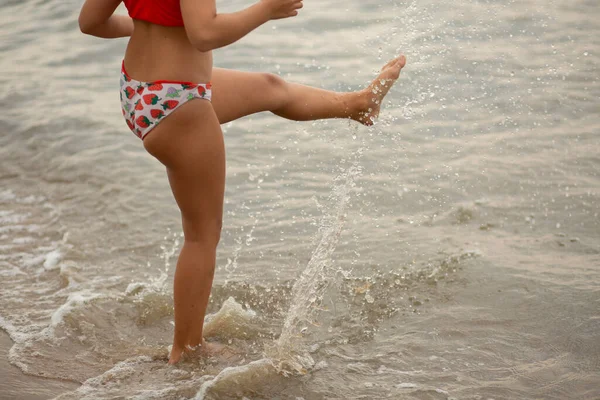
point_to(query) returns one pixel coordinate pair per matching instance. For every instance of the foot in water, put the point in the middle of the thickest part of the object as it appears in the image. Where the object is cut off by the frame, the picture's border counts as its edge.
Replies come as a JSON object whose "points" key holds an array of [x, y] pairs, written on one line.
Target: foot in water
{"points": [[206, 350], [370, 98]]}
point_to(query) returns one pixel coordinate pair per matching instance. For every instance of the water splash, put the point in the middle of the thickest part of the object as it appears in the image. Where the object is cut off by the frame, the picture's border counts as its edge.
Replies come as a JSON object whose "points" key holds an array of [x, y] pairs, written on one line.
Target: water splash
{"points": [[158, 284], [287, 356], [287, 353], [240, 243]]}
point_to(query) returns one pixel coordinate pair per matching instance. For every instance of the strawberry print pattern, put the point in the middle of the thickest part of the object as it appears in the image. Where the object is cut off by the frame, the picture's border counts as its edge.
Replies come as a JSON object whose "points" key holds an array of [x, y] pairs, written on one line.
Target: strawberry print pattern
{"points": [[145, 104]]}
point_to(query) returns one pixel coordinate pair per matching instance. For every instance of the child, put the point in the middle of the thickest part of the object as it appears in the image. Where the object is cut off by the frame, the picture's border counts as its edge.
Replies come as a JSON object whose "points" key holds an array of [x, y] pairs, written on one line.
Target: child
{"points": [[167, 67]]}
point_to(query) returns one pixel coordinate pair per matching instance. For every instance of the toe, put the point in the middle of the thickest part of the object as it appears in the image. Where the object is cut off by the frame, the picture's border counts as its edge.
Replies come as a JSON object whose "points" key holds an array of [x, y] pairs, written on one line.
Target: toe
{"points": [[401, 61], [390, 63]]}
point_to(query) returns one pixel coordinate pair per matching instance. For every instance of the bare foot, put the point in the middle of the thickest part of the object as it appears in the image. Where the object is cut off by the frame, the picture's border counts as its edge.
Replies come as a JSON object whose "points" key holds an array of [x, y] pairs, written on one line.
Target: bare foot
{"points": [[206, 350], [175, 355], [372, 96]]}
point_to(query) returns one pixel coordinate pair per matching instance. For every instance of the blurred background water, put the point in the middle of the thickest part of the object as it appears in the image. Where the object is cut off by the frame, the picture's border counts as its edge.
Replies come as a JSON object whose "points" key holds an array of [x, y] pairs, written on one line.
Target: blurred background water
{"points": [[452, 251]]}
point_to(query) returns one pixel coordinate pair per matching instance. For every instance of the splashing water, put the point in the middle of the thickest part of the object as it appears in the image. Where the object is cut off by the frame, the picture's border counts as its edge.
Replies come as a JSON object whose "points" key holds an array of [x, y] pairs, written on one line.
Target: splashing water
{"points": [[287, 356], [308, 291]]}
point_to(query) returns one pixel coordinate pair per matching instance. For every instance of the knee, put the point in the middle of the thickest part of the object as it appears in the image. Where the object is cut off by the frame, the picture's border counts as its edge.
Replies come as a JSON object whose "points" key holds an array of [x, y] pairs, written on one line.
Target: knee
{"points": [[276, 87], [203, 231]]}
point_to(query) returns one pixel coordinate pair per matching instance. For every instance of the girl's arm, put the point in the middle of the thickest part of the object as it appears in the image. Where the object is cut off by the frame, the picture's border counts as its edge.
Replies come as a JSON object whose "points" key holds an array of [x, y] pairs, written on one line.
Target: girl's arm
{"points": [[208, 30], [96, 18]]}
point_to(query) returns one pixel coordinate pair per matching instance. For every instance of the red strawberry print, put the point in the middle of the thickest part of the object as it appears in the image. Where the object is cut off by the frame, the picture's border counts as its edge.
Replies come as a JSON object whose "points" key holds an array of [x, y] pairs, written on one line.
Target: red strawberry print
{"points": [[129, 92], [143, 122], [155, 87], [157, 114], [170, 104], [138, 133], [140, 89], [123, 111], [201, 91], [139, 106], [208, 86], [187, 86], [151, 99], [130, 124]]}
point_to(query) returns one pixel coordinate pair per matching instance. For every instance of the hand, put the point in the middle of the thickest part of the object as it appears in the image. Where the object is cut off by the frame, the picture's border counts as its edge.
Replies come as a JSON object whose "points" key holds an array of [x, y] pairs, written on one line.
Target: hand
{"points": [[278, 9]]}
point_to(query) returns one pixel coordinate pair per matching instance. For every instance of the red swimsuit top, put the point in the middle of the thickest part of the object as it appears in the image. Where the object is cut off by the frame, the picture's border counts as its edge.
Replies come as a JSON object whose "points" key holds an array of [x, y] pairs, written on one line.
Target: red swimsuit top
{"points": [[159, 12]]}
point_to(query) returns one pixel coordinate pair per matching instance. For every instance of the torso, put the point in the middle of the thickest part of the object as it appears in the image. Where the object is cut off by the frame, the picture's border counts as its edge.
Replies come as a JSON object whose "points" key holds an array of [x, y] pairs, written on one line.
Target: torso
{"points": [[158, 52]]}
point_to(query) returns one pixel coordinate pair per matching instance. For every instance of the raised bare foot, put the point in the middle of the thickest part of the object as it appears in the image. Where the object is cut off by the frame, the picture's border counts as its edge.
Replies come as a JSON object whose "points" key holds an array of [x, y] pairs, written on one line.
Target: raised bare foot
{"points": [[371, 97]]}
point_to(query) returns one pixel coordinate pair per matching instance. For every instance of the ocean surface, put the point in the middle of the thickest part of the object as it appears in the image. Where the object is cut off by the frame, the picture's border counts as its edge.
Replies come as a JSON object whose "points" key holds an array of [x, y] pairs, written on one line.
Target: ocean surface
{"points": [[451, 251]]}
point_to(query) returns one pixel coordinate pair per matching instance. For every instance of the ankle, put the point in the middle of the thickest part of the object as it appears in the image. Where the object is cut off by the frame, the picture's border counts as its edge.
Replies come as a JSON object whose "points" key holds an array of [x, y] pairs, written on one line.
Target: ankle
{"points": [[356, 102], [364, 99]]}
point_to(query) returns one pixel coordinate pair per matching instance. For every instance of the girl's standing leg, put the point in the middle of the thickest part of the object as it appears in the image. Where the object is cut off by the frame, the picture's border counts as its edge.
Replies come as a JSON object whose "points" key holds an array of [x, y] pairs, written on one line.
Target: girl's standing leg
{"points": [[189, 143], [237, 94]]}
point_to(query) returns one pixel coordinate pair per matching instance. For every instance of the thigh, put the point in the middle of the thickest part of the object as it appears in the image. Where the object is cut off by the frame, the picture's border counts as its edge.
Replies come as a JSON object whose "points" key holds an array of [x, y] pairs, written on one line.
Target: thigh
{"points": [[190, 144], [236, 94]]}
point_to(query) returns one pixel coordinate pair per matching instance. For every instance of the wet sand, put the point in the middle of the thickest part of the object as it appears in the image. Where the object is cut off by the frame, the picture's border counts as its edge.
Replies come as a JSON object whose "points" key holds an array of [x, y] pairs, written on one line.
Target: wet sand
{"points": [[15, 385]]}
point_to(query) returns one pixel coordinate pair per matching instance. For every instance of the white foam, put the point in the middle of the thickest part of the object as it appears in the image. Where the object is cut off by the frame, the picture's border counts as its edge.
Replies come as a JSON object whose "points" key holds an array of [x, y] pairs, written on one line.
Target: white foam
{"points": [[74, 300], [10, 217], [7, 196], [12, 331], [112, 377], [23, 240], [385, 370], [155, 285], [29, 250], [247, 371], [17, 228], [406, 385], [232, 318], [134, 288], [52, 259], [10, 270], [29, 260]]}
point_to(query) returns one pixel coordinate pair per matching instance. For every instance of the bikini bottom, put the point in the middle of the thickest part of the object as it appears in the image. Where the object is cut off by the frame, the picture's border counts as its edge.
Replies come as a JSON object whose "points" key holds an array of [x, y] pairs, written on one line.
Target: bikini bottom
{"points": [[145, 104]]}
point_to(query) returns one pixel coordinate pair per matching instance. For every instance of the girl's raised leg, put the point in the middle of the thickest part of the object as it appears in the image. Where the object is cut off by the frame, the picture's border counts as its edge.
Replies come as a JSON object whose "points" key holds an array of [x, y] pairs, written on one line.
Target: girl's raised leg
{"points": [[237, 94], [190, 144]]}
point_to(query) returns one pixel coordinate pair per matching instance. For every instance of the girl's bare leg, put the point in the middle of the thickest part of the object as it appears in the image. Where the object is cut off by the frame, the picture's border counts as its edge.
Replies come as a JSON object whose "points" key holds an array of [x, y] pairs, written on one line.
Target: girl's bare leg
{"points": [[190, 144], [237, 94]]}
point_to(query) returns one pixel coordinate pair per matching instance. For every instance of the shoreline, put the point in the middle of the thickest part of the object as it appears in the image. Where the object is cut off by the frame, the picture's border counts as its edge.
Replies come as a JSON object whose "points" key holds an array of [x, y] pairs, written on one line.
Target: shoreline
{"points": [[16, 385]]}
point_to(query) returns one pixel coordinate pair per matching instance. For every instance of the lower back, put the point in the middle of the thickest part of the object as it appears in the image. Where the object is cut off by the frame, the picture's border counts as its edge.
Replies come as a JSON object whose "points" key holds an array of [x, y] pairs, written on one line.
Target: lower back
{"points": [[158, 52]]}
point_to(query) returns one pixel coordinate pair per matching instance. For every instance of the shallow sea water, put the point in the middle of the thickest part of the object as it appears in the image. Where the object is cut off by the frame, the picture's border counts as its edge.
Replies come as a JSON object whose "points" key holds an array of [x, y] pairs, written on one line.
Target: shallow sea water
{"points": [[452, 251]]}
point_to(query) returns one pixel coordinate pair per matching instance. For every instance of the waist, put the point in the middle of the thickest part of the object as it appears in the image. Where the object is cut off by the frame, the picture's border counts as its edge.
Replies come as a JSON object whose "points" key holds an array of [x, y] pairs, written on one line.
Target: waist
{"points": [[157, 53]]}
